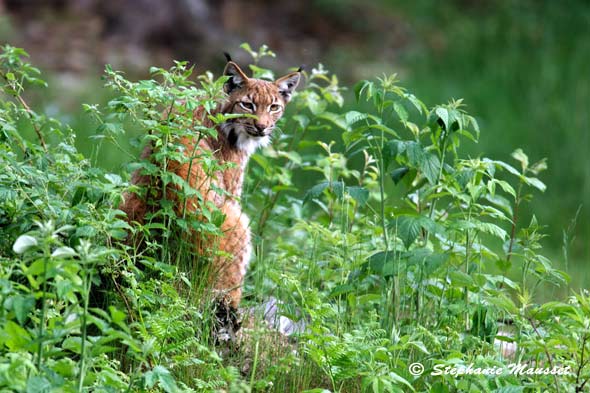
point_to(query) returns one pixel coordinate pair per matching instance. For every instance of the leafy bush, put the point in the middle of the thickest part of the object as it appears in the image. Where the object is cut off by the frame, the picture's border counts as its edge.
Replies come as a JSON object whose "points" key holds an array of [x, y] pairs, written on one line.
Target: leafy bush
{"points": [[403, 251]]}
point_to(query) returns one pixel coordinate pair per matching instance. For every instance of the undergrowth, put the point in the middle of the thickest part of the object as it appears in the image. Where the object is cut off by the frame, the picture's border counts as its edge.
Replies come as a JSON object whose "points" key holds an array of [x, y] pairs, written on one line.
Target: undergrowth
{"points": [[403, 252]]}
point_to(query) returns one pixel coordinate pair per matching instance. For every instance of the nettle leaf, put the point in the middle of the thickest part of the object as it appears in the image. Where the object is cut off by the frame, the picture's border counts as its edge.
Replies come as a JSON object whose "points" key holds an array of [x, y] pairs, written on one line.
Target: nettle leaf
{"points": [[409, 227], [382, 263], [353, 117], [426, 259], [315, 191], [419, 105], [23, 243], [161, 375], [359, 194], [415, 154], [73, 344], [14, 337], [390, 151], [485, 227], [22, 306], [37, 384], [461, 279]]}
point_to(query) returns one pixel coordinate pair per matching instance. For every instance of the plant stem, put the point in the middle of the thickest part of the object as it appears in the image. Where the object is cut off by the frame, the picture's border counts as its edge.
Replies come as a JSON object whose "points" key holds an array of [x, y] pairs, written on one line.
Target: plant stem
{"points": [[43, 311], [88, 285], [514, 220], [581, 365], [27, 109], [438, 177], [255, 365], [35, 125]]}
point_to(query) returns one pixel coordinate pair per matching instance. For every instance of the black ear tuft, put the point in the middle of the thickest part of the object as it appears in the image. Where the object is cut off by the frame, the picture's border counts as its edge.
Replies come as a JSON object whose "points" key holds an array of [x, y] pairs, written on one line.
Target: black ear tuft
{"points": [[236, 79], [301, 68], [287, 85], [227, 56]]}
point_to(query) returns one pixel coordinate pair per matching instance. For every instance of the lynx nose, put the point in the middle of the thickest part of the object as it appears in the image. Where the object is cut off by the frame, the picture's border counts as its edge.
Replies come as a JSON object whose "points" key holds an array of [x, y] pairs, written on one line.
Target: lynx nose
{"points": [[260, 128]]}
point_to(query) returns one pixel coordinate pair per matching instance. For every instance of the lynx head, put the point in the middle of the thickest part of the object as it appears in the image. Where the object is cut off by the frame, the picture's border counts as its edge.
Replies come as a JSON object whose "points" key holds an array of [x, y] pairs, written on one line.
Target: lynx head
{"points": [[263, 99]]}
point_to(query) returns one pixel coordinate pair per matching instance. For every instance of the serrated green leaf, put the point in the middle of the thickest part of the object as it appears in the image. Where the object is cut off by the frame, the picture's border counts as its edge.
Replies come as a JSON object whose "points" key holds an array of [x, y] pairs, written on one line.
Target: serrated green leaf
{"points": [[38, 384], [163, 377], [415, 154], [389, 152], [382, 263], [460, 278], [353, 117], [73, 344], [315, 191], [22, 306], [14, 336], [419, 105], [409, 227], [359, 194]]}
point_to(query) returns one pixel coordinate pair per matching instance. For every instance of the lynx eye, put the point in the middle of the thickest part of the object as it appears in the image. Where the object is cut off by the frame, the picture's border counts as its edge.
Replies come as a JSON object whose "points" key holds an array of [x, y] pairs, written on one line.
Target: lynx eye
{"points": [[247, 106], [274, 108]]}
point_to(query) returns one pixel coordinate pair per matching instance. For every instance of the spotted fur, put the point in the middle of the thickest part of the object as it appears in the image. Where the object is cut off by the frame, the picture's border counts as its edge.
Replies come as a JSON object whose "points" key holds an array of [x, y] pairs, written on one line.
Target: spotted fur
{"points": [[262, 103]]}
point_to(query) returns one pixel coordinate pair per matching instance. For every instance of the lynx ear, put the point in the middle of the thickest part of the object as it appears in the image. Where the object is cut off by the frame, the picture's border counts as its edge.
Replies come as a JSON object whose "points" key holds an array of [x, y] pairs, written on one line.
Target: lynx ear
{"points": [[287, 84], [237, 78]]}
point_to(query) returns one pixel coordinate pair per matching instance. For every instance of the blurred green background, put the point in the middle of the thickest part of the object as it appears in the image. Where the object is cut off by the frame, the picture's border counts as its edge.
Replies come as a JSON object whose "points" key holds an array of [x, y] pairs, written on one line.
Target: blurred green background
{"points": [[523, 68]]}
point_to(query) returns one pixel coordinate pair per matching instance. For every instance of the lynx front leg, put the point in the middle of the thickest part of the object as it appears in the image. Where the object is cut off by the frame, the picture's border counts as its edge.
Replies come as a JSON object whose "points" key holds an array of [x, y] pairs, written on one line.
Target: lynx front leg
{"points": [[230, 269]]}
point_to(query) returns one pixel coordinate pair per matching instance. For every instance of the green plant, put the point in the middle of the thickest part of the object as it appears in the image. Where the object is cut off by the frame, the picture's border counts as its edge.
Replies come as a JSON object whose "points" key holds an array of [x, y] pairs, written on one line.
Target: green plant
{"points": [[399, 250]]}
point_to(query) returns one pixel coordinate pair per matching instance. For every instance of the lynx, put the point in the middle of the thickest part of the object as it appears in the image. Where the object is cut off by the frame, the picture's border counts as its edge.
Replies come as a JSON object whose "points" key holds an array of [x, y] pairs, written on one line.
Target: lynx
{"points": [[237, 139]]}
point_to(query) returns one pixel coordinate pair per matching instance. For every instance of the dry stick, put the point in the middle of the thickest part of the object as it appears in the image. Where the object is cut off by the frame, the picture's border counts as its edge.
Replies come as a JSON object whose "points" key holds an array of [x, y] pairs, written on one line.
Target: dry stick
{"points": [[545, 350], [30, 116], [582, 364]]}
